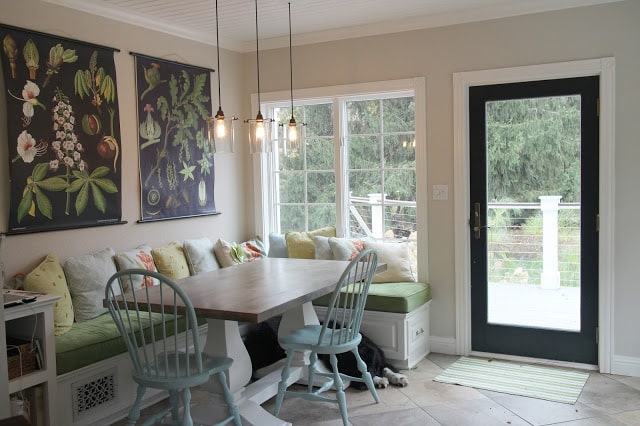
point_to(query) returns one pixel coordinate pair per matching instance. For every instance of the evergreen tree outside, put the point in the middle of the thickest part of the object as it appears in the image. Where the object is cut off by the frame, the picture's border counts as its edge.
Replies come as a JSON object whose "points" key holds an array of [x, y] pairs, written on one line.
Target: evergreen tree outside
{"points": [[380, 140], [533, 149]]}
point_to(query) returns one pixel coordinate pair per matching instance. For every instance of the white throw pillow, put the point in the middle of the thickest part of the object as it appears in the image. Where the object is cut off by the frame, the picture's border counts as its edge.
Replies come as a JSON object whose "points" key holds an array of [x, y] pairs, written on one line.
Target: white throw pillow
{"points": [[200, 255], [322, 248], [397, 258], [87, 278]]}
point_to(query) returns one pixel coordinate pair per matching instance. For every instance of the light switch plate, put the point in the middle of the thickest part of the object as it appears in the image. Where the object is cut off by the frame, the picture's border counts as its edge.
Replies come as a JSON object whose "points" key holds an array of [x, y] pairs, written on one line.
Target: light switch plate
{"points": [[441, 192]]}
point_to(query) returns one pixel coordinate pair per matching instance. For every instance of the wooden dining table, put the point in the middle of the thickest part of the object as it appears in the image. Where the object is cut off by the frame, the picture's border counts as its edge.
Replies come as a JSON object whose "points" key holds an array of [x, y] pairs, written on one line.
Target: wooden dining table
{"points": [[254, 292]]}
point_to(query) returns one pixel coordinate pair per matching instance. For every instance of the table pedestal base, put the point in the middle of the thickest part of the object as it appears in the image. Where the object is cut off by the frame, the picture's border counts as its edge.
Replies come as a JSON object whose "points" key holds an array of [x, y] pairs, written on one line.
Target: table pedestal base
{"points": [[223, 339]]}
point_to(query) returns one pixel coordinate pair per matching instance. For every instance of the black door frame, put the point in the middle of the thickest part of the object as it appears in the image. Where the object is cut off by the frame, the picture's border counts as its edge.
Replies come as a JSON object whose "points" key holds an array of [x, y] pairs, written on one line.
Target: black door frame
{"points": [[580, 346], [457, 340]]}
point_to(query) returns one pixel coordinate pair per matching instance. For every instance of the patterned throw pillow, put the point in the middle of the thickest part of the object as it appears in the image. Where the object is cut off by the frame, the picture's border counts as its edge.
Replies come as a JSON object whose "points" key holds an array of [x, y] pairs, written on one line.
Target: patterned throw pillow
{"points": [[254, 249], [171, 261], [345, 249], [138, 258], [48, 277], [228, 254], [200, 255], [87, 277]]}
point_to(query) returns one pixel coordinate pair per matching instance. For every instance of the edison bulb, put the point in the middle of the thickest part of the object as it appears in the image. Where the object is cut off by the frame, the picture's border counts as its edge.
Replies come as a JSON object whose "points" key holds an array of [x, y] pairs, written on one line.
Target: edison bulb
{"points": [[259, 131], [220, 129], [293, 133]]}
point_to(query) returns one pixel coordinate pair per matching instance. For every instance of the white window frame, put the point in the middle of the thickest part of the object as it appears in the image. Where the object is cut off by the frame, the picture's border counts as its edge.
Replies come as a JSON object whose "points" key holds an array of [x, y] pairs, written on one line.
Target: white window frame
{"points": [[265, 221]]}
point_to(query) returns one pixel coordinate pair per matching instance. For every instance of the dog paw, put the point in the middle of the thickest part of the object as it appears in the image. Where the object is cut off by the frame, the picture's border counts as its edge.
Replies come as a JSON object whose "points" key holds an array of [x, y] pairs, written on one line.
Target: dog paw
{"points": [[380, 382], [395, 379]]}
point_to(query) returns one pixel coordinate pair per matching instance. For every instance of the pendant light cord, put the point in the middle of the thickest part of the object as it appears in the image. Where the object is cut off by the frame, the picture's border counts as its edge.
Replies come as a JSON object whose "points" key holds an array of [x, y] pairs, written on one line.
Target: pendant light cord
{"points": [[290, 61], [218, 52], [257, 55]]}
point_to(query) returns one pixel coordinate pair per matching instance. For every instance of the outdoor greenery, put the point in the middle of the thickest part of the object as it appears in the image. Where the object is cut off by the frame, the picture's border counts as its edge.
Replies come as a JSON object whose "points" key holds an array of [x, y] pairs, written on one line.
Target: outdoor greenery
{"points": [[379, 135], [533, 149]]}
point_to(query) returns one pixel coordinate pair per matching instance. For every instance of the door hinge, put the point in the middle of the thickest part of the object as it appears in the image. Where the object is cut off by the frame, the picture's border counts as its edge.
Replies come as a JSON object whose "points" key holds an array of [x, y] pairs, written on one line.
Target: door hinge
{"points": [[597, 335], [598, 107], [598, 222]]}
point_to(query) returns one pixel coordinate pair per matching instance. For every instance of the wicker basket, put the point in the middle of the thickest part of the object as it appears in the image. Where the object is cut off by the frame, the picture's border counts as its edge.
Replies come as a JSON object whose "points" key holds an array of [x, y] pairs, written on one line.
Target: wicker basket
{"points": [[22, 357]]}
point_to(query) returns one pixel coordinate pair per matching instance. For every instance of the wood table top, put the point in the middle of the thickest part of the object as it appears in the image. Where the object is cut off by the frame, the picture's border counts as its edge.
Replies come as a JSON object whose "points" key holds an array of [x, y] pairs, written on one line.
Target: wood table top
{"points": [[258, 290]]}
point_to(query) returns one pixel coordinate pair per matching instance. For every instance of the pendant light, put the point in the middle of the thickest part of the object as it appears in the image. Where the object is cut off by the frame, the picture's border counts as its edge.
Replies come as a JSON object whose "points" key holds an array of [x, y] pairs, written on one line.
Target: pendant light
{"points": [[259, 128], [220, 129], [292, 134]]}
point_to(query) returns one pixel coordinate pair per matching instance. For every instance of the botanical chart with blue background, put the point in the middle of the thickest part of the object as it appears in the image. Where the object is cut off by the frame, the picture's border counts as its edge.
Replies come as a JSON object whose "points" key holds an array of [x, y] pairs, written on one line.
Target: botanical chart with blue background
{"points": [[176, 162], [63, 132]]}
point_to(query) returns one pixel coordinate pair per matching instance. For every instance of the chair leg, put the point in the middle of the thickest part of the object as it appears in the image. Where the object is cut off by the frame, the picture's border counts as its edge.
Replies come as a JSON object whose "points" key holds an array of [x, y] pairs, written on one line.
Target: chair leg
{"points": [[282, 386], [366, 376], [134, 413], [228, 397], [313, 359], [339, 385], [186, 401], [175, 405]]}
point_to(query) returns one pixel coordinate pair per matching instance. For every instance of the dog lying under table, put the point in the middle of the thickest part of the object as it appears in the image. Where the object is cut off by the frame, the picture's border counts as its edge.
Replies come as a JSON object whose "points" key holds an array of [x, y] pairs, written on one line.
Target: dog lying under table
{"points": [[262, 344]]}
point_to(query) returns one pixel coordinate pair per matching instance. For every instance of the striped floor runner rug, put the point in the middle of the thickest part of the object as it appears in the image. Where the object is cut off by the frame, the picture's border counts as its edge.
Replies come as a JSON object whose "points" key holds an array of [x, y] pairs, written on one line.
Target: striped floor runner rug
{"points": [[534, 381]]}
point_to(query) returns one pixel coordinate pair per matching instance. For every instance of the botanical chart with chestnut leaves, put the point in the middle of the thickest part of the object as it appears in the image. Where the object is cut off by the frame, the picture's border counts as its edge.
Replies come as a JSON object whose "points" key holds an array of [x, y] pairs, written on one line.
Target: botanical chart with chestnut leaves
{"points": [[176, 162], [63, 132]]}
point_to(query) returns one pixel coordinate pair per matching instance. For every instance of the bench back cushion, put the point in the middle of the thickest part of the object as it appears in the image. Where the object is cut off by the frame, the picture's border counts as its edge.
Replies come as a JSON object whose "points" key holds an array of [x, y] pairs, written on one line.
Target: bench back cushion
{"points": [[300, 244], [398, 261], [200, 255], [171, 261], [87, 277], [48, 277]]}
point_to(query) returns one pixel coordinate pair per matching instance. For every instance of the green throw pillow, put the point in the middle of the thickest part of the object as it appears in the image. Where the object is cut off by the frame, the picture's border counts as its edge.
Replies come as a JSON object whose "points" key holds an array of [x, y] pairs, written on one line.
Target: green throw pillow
{"points": [[300, 244], [48, 277], [170, 261]]}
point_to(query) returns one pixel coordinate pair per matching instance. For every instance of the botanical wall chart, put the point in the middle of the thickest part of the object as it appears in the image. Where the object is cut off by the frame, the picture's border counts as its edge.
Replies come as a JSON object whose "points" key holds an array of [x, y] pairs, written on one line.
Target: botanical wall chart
{"points": [[176, 162], [63, 132]]}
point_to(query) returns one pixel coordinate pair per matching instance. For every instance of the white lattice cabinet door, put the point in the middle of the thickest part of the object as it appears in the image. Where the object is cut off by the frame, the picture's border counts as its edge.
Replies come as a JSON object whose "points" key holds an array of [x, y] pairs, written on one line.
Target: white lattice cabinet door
{"points": [[34, 321]]}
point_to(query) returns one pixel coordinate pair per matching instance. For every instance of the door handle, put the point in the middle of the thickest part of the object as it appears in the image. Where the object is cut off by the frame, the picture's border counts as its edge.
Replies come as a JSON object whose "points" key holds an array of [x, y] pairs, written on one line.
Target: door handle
{"points": [[477, 225]]}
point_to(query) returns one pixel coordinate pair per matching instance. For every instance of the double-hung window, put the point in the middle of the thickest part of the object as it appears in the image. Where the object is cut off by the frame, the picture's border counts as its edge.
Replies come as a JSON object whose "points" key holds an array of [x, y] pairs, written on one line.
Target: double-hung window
{"points": [[355, 164]]}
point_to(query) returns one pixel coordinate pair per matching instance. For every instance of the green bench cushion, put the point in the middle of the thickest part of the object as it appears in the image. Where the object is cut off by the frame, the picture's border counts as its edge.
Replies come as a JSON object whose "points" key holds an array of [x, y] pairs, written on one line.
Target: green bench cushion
{"points": [[92, 341], [400, 298]]}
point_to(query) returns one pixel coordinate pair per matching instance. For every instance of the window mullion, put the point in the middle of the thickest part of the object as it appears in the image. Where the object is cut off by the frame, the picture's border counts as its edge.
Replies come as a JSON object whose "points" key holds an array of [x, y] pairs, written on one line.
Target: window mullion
{"points": [[341, 165]]}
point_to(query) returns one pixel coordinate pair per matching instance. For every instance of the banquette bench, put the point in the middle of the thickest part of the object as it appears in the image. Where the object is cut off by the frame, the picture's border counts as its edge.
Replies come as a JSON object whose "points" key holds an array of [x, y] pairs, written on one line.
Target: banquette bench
{"points": [[94, 385]]}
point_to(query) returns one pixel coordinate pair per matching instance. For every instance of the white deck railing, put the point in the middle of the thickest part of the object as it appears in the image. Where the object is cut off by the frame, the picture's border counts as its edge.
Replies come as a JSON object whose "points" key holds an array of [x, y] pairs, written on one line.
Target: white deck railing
{"points": [[542, 251]]}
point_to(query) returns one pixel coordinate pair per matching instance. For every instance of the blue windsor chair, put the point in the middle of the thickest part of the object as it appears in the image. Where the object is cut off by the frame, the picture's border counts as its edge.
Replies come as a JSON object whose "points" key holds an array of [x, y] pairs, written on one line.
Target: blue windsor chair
{"points": [[159, 360], [339, 333]]}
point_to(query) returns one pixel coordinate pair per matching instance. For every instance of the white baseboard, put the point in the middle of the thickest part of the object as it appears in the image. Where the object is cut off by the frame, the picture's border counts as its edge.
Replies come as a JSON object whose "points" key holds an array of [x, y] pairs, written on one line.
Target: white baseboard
{"points": [[443, 345], [625, 366]]}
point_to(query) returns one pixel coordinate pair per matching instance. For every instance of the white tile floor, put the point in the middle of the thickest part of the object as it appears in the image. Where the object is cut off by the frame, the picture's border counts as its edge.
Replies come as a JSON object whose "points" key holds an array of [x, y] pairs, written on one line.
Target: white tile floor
{"points": [[605, 400]]}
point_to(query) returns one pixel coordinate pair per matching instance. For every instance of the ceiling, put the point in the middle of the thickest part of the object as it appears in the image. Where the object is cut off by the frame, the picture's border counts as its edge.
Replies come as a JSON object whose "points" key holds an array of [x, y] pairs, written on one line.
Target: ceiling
{"points": [[312, 20]]}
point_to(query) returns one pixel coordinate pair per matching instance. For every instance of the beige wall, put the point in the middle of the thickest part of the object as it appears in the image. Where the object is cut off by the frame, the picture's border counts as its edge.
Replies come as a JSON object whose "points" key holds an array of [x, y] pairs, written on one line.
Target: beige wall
{"points": [[22, 252], [592, 32], [575, 34]]}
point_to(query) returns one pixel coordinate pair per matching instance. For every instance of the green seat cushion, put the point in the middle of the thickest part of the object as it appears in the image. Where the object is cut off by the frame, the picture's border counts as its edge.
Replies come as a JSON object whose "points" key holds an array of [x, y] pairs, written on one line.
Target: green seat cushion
{"points": [[92, 341], [400, 298]]}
